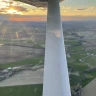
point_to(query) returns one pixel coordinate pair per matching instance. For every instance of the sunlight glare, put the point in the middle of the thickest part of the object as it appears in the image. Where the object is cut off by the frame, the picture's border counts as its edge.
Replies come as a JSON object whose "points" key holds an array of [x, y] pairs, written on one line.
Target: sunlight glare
{"points": [[14, 11]]}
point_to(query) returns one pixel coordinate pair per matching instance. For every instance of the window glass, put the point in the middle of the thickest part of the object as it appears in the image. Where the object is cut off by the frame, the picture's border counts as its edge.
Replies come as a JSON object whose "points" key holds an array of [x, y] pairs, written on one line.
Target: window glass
{"points": [[22, 45], [22, 48], [79, 28]]}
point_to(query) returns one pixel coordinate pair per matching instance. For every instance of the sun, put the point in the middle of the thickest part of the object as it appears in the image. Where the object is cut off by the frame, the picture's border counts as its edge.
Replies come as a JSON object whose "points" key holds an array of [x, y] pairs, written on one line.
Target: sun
{"points": [[14, 11], [11, 11]]}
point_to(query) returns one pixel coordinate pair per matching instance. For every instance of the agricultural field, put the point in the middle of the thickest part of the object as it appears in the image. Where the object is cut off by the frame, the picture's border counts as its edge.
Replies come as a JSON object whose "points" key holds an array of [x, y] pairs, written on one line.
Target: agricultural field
{"points": [[80, 45], [21, 58], [30, 90], [22, 49]]}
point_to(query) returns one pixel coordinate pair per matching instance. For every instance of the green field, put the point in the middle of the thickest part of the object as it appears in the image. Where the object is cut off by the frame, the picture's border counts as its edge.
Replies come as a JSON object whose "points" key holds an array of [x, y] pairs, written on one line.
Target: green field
{"points": [[33, 61], [76, 52], [25, 90]]}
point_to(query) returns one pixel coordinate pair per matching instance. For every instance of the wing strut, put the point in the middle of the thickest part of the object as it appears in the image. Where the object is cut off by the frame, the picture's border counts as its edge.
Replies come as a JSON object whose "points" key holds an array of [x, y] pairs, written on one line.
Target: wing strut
{"points": [[56, 78]]}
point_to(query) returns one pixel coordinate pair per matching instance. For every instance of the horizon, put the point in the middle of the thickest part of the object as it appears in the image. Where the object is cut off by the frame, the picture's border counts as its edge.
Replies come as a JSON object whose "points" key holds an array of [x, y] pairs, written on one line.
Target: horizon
{"points": [[44, 18], [77, 10]]}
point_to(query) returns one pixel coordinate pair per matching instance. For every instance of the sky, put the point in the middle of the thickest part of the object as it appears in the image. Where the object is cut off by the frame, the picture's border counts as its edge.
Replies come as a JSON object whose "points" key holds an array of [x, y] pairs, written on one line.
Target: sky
{"points": [[70, 10]]}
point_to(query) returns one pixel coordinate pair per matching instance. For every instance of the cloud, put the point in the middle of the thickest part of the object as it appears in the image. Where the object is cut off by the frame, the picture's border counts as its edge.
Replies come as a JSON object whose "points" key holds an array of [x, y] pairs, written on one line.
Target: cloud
{"points": [[1, 11], [6, 5], [65, 7], [92, 8], [19, 8], [81, 9]]}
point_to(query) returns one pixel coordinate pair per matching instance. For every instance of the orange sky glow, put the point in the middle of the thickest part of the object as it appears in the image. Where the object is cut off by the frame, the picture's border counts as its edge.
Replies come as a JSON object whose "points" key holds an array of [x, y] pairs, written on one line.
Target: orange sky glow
{"points": [[69, 11], [29, 18]]}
